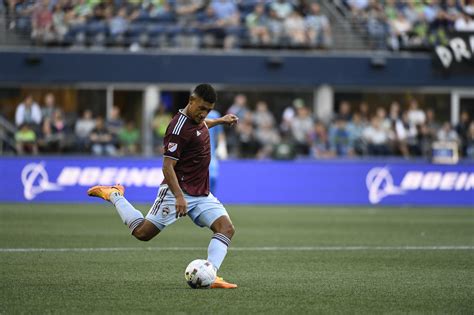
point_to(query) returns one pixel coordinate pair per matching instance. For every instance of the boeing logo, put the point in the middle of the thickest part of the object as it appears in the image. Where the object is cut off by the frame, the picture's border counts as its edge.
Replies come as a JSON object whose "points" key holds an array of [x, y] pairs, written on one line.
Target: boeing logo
{"points": [[380, 183], [35, 178], [35, 181]]}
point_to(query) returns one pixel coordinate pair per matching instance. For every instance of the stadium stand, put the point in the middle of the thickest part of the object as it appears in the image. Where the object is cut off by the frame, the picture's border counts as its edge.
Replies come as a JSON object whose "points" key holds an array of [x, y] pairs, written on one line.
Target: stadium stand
{"points": [[404, 126]]}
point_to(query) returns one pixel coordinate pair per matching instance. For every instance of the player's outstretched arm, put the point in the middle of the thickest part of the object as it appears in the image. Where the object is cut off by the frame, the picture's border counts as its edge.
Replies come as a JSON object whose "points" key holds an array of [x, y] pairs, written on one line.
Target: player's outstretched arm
{"points": [[172, 181], [229, 119]]}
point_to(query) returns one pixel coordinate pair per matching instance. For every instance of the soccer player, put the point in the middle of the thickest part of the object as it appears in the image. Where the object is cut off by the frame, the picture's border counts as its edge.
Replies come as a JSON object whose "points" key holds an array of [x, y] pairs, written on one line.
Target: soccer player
{"points": [[185, 188], [218, 150]]}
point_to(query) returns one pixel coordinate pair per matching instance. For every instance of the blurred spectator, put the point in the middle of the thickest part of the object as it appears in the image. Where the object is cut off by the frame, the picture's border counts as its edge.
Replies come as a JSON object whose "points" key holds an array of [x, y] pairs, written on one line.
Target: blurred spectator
{"points": [[320, 142], [129, 138], [239, 108], [470, 141], [115, 122], [51, 139], [282, 8], [469, 7], [425, 139], [364, 112], [248, 145], [400, 27], [339, 138], [295, 29], [462, 130], [431, 123], [228, 18], [186, 11], [276, 28], [25, 139], [318, 28], [218, 150], [284, 150], [54, 133], [83, 128], [357, 6], [267, 137], [159, 125], [345, 111], [211, 31], [464, 23], [289, 113], [355, 128], [119, 23], [415, 115], [262, 116], [257, 25], [42, 22], [49, 106], [101, 139], [381, 113], [394, 114], [447, 133], [377, 138], [401, 133], [60, 23], [301, 127], [377, 28], [28, 112]]}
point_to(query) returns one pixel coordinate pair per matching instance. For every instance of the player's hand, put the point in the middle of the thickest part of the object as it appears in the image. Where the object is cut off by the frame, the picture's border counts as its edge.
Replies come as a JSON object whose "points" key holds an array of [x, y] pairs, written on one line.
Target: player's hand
{"points": [[181, 207], [230, 119]]}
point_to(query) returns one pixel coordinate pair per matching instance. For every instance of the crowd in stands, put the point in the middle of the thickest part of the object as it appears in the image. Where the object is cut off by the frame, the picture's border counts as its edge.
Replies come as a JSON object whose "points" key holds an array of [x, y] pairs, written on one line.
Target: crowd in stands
{"points": [[414, 24], [171, 23], [355, 130], [44, 129]]}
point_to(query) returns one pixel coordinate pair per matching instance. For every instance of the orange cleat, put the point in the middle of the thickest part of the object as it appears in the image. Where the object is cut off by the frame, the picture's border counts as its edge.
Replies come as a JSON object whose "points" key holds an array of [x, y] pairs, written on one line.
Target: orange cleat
{"points": [[219, 283], [105, 191]]}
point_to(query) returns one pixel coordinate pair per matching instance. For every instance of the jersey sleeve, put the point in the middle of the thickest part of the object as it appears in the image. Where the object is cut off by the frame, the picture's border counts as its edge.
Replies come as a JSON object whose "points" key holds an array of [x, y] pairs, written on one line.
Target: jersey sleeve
{"points": [[174, 143]]}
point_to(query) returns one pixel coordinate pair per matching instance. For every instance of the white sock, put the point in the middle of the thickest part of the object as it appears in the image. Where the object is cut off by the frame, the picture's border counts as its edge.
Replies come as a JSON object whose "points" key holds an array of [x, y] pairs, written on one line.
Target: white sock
{"points": [[217, 249], [130, 216]]}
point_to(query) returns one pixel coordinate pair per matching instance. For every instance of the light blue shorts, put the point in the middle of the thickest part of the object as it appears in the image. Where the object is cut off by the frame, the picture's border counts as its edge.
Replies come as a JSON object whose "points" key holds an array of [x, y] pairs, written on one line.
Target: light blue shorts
{"points": [[203, 210]]}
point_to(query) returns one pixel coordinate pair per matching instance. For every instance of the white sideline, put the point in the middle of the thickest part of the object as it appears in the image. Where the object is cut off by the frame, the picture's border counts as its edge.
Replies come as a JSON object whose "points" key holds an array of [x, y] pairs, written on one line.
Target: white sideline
{"points": [[276, 248]]}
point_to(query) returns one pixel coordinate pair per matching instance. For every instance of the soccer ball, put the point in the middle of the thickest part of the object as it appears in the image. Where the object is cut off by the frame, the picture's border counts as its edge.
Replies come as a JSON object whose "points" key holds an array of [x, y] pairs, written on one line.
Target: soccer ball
{"points": [[200, 274]]}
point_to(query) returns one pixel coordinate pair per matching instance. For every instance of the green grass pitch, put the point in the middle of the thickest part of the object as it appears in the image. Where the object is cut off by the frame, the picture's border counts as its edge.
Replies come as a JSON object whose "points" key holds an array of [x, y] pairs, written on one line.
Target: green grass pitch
{"points": [[284, 259]]}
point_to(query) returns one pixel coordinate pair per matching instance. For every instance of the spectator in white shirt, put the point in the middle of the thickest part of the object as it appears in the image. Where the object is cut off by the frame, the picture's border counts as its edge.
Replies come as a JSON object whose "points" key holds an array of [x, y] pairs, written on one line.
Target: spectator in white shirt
{"points": [[415, 115], [464, 23], [447, 133], [28, 112]]}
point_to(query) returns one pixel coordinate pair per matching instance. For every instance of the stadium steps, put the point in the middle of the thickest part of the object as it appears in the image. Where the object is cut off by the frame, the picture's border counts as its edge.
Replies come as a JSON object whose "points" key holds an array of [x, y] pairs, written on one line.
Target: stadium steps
{"points": [[9, 37], [346, 34]]}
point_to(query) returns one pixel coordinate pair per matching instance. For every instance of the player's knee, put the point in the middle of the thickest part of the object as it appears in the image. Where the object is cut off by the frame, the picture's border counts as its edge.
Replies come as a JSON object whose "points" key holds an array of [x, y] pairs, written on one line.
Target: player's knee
{"points": [[228, 230], [142, 235]]}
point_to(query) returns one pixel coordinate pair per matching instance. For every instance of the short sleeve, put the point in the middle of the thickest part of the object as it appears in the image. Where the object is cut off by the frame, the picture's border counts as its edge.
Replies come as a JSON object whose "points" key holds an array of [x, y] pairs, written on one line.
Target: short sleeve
{"points": [[173, 146]]}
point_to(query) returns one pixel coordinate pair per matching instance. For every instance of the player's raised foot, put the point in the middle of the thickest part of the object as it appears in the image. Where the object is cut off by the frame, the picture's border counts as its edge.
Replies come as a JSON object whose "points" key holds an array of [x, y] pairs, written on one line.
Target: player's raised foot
{"points": [[105, 191], [220, 283]]}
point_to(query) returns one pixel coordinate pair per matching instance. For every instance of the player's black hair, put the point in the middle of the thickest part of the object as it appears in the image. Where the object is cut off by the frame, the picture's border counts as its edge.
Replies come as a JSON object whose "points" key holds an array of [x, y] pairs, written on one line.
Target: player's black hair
{"points": [[206, 92]]}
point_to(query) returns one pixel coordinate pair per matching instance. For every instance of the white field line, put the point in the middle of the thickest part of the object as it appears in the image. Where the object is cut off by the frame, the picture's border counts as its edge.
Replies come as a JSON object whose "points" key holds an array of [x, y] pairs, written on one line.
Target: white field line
{"points": [[276, 248]]}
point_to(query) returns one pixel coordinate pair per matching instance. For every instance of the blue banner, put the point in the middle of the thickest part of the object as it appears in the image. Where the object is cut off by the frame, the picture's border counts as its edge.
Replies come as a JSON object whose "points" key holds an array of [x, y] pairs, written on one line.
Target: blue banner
{"points": [[334, 182]]}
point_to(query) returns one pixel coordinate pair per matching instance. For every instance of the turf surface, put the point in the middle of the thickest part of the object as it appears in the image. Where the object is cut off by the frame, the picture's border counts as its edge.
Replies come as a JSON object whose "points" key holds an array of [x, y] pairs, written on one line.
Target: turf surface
{"points": [[312, 266]]}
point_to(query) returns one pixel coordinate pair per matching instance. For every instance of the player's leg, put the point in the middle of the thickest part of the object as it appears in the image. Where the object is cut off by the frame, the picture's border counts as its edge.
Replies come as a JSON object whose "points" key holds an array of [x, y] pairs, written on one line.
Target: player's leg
{"points": [[211, 213], [145, 231], [223, 231], [162, 213], [133, 218]]}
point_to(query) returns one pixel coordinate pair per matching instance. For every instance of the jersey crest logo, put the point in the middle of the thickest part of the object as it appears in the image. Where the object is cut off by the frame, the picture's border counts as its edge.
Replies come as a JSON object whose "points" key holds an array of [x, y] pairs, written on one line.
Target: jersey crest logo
{"points": [[165, 211], [198, 133], [172, 146]]}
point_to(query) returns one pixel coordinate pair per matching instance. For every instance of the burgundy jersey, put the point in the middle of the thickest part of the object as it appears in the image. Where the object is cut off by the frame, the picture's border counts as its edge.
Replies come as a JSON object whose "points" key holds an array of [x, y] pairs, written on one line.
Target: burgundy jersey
{"points": [[189, 144]]}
